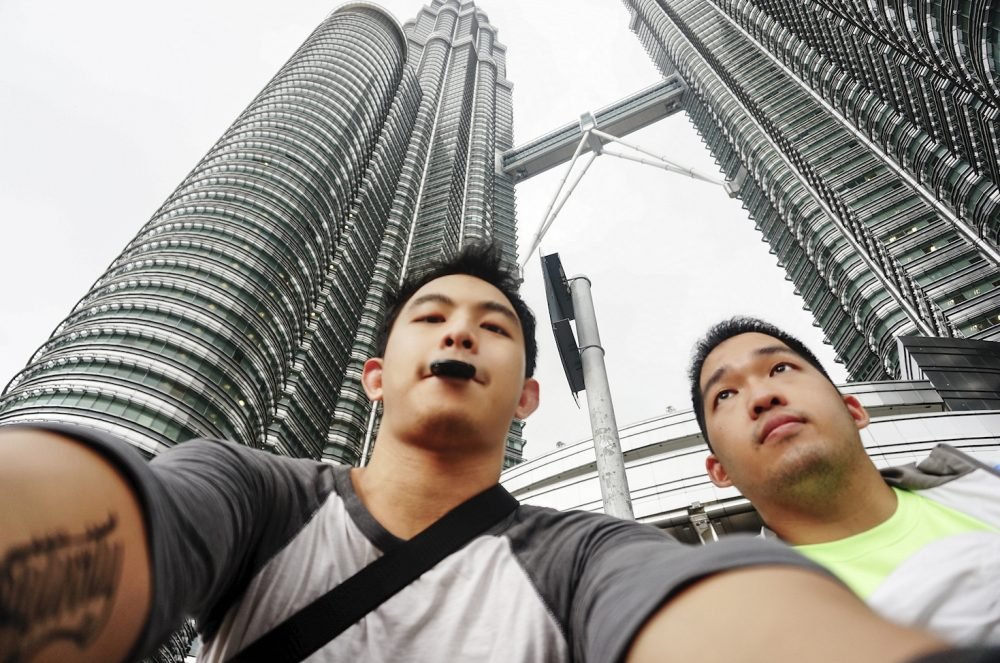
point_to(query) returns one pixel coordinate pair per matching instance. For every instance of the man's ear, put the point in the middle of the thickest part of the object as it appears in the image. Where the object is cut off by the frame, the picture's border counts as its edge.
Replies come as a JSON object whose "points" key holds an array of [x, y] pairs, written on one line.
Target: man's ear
{"points": [[371, 378], [716, 472], [857, 411], [528, 402]]}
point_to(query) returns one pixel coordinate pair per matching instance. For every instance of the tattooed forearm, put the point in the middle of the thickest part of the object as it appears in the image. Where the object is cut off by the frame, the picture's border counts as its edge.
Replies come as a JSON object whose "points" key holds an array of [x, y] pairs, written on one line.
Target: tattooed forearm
{"points": [[58, 587]]}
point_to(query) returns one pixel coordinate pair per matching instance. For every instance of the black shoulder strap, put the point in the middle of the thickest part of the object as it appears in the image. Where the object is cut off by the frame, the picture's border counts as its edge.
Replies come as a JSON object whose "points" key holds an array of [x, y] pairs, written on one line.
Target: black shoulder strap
{"points": [[331, 614]]}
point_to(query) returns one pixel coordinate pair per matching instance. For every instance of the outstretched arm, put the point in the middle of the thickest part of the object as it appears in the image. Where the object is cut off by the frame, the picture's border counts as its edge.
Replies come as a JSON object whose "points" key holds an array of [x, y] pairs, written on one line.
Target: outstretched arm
{"points": [[773, 614], [74, 560]]}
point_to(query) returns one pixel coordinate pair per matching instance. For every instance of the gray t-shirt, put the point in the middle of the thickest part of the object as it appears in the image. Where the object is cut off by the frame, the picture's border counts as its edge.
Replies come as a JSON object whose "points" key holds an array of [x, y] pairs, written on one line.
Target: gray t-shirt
{"points": [[242, 539]]}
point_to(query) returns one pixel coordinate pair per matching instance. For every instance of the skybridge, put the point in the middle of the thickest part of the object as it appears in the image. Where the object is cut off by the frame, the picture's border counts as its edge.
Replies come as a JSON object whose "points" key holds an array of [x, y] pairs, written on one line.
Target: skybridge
{"points": [[621, 118], [592, 135]]}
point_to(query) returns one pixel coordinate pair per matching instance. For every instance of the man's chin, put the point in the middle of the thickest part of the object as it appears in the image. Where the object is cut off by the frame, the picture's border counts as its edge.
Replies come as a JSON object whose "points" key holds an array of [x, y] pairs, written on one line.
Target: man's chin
{"points": [[447, 430], [806, 467]]}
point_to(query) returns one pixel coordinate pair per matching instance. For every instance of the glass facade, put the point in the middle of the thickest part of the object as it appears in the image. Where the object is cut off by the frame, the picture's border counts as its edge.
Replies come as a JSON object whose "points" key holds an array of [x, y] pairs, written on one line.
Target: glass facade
{"points": [[870, 136], [966, 373], [246, 306]]}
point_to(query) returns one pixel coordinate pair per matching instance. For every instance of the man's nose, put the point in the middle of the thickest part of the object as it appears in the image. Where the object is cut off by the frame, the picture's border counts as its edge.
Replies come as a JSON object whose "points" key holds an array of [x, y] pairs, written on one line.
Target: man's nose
{"points": [[459, 335], [763, 398]]}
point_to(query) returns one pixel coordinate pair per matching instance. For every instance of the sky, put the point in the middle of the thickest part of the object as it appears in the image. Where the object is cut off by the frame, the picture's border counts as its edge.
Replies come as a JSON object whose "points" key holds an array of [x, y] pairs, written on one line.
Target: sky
{"points": [[107, 105]]}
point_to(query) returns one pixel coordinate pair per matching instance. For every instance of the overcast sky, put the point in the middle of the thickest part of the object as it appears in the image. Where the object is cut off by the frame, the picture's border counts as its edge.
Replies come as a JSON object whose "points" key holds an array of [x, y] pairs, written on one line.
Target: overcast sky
{"points": [[107, 105]]}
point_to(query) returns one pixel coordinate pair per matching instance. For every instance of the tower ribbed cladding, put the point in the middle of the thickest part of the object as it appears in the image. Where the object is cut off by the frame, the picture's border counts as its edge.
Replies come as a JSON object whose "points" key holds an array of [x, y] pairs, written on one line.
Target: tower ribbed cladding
{"points": [[870, 133], [245, 308], [447, 192]]}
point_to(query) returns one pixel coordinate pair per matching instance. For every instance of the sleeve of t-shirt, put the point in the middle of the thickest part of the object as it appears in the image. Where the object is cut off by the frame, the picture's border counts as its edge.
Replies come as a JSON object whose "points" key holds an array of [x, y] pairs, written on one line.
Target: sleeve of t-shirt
{"points": [[603, 578], [215, 513]]}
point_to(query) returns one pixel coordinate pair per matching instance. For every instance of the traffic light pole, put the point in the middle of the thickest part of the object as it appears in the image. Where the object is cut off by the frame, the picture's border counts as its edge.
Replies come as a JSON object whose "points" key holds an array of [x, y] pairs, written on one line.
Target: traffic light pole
{"points": [[607, 446]]}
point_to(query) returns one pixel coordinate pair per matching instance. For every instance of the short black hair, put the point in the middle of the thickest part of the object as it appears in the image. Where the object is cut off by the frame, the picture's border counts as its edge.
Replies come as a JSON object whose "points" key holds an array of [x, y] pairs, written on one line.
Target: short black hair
{"points": [[480, 260], [724, 331]]}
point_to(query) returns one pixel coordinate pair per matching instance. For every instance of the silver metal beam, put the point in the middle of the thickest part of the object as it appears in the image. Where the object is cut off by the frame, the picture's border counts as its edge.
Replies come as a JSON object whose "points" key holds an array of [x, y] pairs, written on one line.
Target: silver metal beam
{"points": [[553, 209], [594, 141]]}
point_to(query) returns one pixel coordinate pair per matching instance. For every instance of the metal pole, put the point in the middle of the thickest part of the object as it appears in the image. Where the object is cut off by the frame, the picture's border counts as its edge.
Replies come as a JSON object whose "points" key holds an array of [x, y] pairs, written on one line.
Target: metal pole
{"points": [[610, 462], [368, 434]]}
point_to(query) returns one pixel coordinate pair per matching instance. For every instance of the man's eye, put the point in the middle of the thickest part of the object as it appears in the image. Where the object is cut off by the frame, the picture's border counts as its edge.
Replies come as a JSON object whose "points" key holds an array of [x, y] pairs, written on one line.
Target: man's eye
{"points": [[724, 395], [780, 368], [496, 329], [432, 317]]}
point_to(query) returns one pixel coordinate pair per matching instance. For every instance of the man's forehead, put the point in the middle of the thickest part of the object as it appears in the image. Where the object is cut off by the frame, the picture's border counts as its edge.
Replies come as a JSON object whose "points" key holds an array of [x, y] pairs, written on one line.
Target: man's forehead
{"points": [[460, 289], [740, 348]]}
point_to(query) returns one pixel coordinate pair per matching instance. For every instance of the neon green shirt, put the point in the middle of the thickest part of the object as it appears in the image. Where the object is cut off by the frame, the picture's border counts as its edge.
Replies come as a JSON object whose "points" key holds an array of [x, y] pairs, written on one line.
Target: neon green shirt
{"points": [[864, 560]]}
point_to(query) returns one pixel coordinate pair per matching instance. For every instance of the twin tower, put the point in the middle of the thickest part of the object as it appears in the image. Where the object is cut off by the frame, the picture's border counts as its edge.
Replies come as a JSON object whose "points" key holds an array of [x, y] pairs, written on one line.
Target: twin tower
{"points": [[245, 308]]}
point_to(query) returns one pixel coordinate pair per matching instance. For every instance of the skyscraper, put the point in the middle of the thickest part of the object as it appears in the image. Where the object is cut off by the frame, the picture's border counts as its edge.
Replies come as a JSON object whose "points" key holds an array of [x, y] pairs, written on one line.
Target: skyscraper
{"points": [[865, 141], [245, 307]]}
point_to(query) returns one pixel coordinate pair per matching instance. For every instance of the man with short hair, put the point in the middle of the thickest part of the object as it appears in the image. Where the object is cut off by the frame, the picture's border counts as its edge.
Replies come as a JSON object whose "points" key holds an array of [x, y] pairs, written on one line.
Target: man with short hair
{"points": [[243, 540], [920, 543]]}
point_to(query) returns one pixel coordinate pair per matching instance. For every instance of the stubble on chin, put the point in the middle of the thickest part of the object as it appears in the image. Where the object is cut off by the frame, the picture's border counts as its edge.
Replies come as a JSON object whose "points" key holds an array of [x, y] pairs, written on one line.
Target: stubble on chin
{"points": [[806, 473]]}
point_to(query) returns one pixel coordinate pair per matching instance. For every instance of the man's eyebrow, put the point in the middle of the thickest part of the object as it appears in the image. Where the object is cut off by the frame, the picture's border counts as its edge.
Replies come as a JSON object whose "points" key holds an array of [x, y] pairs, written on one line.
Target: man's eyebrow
{"points": [[765, 351], [773, 350], [431, 297], [501, 309]]}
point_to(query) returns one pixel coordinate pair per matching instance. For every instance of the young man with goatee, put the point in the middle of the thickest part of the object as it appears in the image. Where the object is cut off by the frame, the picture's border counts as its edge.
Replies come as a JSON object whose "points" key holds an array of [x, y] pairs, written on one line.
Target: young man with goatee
{"points": [[920, 543], [104, 555]]}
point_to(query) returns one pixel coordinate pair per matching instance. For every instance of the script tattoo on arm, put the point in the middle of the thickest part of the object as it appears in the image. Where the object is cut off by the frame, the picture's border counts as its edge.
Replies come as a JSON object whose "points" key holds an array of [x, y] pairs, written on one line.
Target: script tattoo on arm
{"points": [[60, 586]]}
